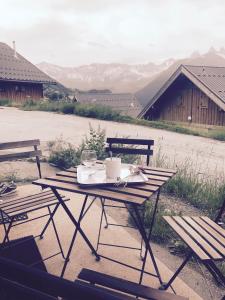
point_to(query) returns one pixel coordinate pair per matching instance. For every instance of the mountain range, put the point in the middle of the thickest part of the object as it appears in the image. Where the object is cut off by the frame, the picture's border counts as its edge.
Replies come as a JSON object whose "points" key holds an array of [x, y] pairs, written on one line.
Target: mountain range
{"points": [[144, 79], [115, 77]]}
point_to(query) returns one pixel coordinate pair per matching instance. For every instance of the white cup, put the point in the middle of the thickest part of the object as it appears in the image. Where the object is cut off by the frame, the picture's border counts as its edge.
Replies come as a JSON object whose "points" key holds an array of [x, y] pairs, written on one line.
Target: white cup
{"points": [[113, 167]]}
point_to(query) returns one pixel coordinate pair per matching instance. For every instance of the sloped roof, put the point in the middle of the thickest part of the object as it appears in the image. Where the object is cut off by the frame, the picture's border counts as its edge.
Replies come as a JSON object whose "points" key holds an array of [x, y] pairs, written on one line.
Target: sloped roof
{"points": [[125, 103], [210, 80], [17, 68]]}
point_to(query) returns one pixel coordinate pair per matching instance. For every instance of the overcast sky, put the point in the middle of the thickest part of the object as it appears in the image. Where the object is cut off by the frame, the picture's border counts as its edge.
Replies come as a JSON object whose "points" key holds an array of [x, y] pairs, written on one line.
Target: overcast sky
{"points": [[76, 32]]}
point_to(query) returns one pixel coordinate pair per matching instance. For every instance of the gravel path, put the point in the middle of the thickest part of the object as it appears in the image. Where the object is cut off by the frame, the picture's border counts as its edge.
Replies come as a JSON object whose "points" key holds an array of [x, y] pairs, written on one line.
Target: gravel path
{"points": [[205, 154]]}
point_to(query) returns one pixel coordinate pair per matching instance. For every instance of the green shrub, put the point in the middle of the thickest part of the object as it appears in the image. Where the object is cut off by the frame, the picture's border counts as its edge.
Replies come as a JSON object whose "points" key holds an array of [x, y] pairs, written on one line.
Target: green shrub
{"points": [[95, 141], [5, 102], [67, 108], [62, 154]]}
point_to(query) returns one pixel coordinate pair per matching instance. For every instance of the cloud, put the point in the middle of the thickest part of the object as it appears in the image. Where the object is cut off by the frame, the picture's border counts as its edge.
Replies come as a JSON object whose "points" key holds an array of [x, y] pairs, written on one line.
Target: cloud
{"points": [[75, 32]]}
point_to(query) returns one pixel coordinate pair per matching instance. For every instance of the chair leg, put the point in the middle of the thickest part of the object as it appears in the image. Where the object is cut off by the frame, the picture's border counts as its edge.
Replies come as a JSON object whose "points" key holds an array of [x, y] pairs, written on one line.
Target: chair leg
{"points": [[165, 286], [216, 273], [49, 220], [4, 225], [56, 232], [6, 238], [104, 213], [100, 225]]}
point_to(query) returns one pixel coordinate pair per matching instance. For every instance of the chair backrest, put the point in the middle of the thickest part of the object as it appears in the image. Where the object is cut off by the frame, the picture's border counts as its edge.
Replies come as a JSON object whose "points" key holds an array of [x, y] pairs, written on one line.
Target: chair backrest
{"points": [[50, 284], [11, 290], [115, 145], [8, 151]]}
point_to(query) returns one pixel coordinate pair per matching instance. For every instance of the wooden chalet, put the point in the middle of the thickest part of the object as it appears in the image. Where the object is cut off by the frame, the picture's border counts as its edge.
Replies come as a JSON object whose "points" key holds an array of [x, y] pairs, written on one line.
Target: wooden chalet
{"points": [[20, 80], [125, 103], [192, 94]]}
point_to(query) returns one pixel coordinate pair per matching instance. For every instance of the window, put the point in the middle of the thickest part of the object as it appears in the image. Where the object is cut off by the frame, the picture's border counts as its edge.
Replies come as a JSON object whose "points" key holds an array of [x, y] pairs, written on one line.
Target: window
{"points": [[20, 88]]}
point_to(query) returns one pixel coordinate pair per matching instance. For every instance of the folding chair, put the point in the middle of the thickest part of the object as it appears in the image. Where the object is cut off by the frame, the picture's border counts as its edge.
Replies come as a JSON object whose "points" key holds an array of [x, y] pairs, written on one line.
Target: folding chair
{"points": [[121, 146], [13, 211], [205, 239], [16, 277]]}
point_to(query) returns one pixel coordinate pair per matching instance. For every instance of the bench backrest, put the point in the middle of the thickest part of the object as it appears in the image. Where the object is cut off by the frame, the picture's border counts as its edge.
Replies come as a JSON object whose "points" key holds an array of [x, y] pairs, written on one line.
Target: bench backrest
{"points": [[8, 151], [50, 284], [11, 290], [115, 145]]}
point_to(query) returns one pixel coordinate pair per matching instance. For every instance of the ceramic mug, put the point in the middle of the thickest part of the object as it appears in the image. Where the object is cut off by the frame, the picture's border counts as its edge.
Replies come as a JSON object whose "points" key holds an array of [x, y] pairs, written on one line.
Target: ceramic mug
{"points": [[113, 167]]}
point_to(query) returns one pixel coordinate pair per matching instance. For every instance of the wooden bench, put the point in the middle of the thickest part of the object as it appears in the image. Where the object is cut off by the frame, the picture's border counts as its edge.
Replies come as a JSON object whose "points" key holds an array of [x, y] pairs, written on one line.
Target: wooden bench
{"points": [[131, 288], [205, 239], [13, 211]]}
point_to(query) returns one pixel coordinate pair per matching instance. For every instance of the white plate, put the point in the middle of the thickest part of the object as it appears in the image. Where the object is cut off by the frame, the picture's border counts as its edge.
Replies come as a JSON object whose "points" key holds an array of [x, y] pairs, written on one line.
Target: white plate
{"points": [[96, 175]]}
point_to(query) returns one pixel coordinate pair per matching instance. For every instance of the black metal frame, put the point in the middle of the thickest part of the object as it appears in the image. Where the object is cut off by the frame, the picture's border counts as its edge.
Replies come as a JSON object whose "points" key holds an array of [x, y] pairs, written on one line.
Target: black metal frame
{"points": [[210, 265], [134, 212], [77, 228]]}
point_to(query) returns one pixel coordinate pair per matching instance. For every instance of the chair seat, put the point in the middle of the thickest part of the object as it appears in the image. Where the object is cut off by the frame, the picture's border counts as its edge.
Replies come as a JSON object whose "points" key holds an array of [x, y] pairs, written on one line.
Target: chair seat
{"points": [[204, 237], [17, 206], [126, 286]]}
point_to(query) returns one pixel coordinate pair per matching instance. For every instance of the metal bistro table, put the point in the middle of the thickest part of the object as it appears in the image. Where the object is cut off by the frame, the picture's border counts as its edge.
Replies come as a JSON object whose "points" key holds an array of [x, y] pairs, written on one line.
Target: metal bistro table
{"points": [[131, 196]]}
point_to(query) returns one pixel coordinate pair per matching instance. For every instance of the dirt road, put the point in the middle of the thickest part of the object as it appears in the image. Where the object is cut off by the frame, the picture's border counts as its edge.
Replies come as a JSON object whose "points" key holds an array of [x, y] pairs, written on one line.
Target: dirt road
{"points": [[205, 154]]}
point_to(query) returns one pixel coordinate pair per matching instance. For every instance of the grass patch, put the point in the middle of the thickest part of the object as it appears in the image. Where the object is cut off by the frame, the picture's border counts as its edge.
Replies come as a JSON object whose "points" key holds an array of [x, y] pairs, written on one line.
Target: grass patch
{"points": [[204, 193], [107, 113], [218, 135]]}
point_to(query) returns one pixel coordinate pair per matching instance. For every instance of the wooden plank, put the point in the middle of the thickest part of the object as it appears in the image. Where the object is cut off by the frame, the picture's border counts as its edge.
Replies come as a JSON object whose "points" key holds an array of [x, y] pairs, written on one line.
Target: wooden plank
{"points": [[22, 201], [155, 182], [26, 206], [27, 154], [160, 169], [163, 174], [186, 238], [215, 226], [126, 286], [210, 239], [197, 238], [19, 144], [14, 200], [210, 230], [129, 141], [130, 191], [72, 187], [146, 187], [160, 178]]}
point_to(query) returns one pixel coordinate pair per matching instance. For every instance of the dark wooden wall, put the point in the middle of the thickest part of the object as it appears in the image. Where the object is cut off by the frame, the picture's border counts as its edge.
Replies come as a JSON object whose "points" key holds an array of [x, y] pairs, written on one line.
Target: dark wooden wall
{"points": [[19, 92], [183, 99]]}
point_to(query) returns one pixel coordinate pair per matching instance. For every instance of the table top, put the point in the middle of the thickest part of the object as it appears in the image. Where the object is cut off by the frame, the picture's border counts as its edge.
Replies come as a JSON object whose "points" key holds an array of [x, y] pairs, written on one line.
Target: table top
{"points": [[136, 194]]}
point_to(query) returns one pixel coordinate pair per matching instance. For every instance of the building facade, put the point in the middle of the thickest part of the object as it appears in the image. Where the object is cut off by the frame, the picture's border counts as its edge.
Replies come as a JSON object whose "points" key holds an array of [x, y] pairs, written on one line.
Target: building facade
{"points": [[193, 94], [20, 80]]}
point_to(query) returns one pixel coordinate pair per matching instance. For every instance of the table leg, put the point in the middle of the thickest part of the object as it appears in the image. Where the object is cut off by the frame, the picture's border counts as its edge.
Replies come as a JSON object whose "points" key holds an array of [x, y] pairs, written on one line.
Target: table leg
{"points": [[76, 223], [148, 248], [148, 242]]}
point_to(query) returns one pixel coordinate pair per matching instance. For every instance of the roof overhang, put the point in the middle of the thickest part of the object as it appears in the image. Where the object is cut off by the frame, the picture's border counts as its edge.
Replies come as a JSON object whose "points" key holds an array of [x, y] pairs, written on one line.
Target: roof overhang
{"points": [[193, 79], [28, 81]]}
